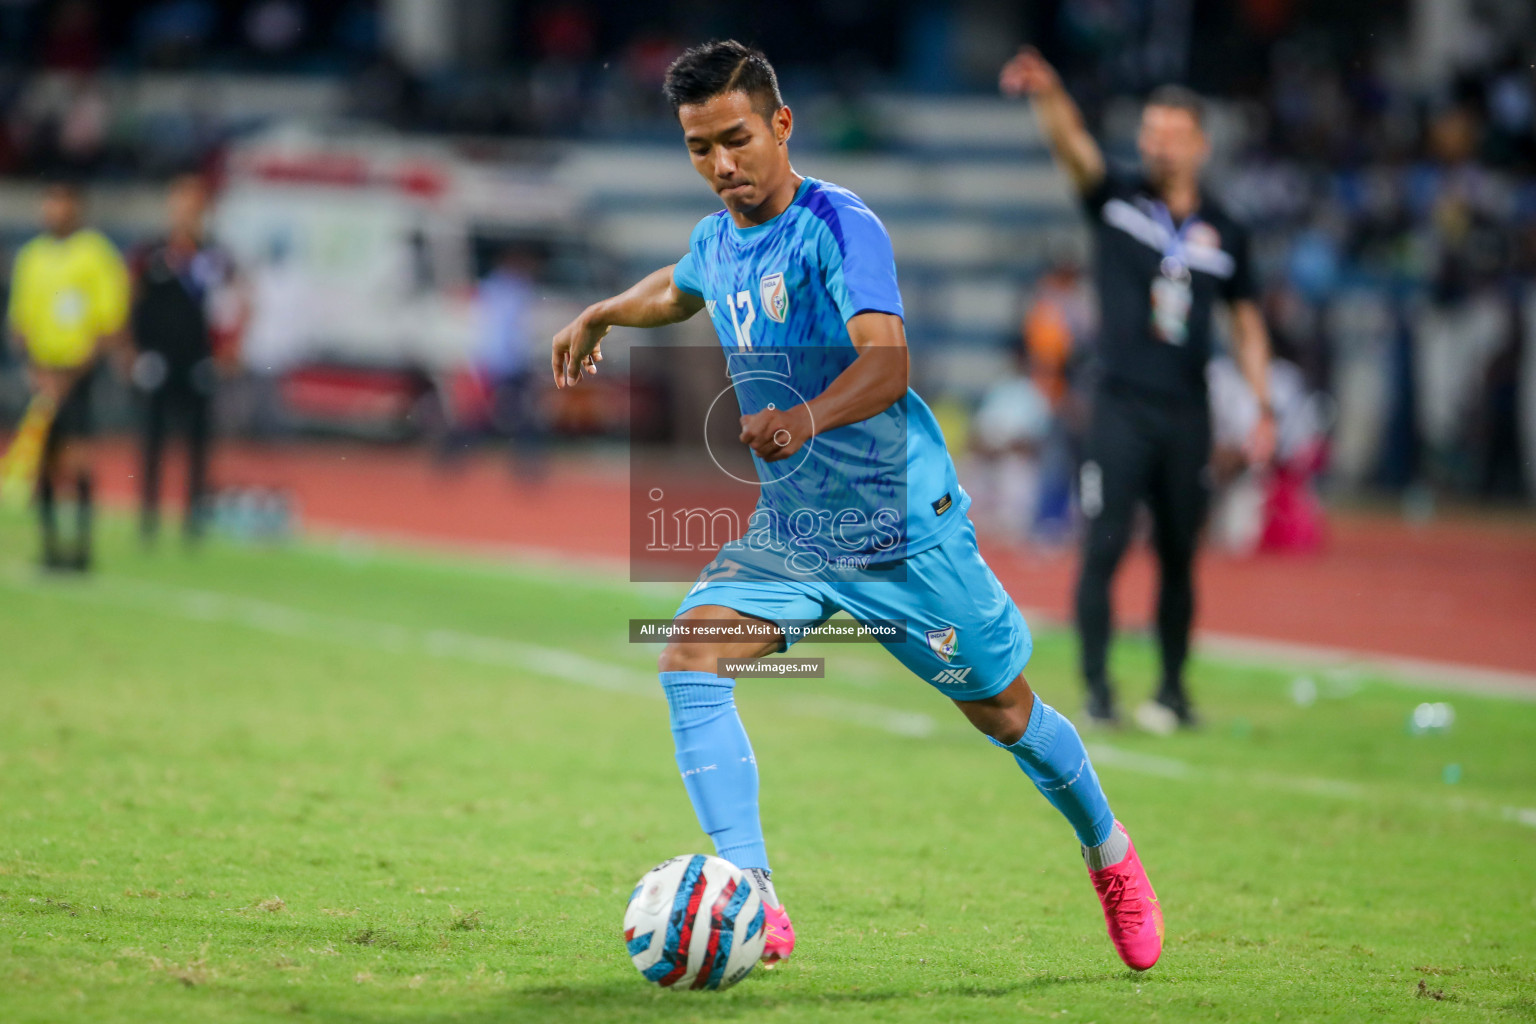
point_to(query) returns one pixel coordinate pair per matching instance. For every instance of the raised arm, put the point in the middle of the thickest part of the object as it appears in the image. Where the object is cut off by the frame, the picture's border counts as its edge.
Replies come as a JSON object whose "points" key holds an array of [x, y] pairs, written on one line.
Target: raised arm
{"points": [[1028, 74], [654, 301], [872, 383]]}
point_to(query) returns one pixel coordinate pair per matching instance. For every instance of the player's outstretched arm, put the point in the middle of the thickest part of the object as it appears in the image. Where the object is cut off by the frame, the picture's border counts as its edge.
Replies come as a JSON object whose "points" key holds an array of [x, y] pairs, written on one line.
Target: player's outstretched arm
{"points": [[653, 301], [1029, 74], [873, 382]]}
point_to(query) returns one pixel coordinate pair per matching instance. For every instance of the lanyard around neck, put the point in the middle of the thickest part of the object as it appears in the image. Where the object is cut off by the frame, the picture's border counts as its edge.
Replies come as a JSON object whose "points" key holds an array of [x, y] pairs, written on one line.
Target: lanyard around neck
{"points": [[1175, 264]]}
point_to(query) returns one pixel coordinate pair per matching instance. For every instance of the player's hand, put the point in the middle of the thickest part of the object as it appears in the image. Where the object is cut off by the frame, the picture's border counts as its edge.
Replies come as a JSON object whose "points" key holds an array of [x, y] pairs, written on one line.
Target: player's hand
{"points": [[1260, 448], [1027, 74], [776, 434], [576, 349]]}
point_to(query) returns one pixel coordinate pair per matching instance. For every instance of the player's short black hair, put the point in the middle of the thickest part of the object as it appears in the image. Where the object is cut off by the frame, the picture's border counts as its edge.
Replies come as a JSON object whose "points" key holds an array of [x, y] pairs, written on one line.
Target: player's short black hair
{"points": [[1179, 98], [720, 66]]}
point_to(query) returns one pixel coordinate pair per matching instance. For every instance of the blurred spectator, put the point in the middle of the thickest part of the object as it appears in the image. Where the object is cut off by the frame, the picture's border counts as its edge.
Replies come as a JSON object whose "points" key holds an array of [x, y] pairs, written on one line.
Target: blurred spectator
{"points": [[1058, 331], [282, 295], [1496, 420], [82, 128], [1010, 429], [509, 360], [180, 282], [59, 124], [1057, 326]]}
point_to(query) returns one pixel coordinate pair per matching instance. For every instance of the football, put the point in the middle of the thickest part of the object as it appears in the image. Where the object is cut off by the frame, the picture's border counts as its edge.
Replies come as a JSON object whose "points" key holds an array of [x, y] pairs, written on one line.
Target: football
{"points": [[694, 922]]}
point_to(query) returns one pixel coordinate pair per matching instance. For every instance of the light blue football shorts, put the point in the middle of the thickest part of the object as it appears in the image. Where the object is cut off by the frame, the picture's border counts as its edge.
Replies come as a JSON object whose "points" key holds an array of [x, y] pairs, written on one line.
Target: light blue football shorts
{"points": [[963, 633]]}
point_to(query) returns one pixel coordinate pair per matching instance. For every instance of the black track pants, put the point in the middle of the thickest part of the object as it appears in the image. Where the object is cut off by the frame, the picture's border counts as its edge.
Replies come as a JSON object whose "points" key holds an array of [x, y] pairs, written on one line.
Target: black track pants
{"points": [[180, 404], [1140, 449]]}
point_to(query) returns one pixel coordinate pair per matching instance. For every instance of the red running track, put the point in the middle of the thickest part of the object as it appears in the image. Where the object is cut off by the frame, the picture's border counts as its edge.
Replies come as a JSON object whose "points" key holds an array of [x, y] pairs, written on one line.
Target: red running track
{"points": [[1459, 591]]}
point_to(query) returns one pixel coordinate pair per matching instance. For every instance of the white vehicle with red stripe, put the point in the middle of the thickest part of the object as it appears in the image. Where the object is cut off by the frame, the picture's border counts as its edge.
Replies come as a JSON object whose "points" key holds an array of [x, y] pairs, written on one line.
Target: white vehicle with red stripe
{"points": [[363, 249]]}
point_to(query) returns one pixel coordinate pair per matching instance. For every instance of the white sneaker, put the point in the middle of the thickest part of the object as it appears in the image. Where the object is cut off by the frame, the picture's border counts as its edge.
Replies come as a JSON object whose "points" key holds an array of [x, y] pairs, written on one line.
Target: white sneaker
{"points": [[1158, 719]]}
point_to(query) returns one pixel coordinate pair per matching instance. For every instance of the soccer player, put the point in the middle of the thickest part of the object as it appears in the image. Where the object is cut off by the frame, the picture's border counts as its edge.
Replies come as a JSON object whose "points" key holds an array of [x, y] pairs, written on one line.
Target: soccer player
{"points": [[800, 272], [1166, 252], [69, 301]]}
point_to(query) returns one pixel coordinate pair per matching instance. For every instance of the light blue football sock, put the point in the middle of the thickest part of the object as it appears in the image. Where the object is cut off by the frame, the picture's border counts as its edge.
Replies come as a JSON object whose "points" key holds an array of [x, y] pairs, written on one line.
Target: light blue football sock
{"points": [[1052, 755], [715, 757]]}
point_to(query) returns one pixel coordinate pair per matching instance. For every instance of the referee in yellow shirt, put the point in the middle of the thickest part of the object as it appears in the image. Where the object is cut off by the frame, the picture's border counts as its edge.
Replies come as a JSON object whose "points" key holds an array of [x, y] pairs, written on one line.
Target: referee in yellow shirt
{"points": [[69, 301]]}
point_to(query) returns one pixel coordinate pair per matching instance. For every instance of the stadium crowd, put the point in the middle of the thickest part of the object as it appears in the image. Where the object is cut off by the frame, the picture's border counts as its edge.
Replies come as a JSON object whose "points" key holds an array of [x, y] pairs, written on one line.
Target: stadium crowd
{"points": [[1394, 219]]}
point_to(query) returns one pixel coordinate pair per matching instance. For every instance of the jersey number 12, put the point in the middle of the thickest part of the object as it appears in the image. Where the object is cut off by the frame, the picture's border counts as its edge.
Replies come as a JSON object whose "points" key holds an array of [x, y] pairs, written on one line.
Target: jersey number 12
{"points": [[742, 323]]}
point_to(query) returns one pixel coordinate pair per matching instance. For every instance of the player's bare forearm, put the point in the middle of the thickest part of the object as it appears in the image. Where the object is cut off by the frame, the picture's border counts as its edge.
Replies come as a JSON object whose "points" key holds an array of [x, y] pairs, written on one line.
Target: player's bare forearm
{"points": [[1069, 138], [872, 383], [653, 301], [1029, 74], [1252, 347], [1252, 350]]}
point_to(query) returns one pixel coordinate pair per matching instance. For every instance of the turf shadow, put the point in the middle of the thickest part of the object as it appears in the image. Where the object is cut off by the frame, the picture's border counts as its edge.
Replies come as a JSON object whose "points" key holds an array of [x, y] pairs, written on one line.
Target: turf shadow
{"points": [[618, 1001]]}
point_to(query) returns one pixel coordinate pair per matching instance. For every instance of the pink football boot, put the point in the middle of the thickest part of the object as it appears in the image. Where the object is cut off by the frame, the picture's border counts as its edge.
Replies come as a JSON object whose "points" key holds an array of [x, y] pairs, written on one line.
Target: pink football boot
{"points": [[781, 937], [1130, 909]]}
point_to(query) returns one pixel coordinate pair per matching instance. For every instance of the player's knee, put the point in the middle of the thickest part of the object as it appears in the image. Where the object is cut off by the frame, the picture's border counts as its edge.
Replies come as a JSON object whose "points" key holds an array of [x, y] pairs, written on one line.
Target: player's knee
{"points": [[1005, 725], [1008, 726], [1004, 717], [676, 657]]}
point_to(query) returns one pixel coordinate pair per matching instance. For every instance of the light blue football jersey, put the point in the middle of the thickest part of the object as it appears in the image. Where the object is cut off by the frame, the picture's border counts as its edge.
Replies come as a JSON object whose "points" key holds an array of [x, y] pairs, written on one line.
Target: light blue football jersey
{"points": [[780, 296]]}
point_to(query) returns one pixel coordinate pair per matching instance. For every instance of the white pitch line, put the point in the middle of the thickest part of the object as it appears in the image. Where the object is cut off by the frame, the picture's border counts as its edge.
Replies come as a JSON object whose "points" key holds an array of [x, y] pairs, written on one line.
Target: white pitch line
{"points": [[568, 666], [1522, 815], [1337, 789], [1227, 648], [1142, 764], [1422, 673], [1411, 673], [494, 652]]}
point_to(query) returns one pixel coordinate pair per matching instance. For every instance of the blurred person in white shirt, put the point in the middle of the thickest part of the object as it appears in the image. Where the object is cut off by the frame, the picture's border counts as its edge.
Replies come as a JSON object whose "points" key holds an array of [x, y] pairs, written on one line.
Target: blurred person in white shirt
{"points": [[505, 351]]}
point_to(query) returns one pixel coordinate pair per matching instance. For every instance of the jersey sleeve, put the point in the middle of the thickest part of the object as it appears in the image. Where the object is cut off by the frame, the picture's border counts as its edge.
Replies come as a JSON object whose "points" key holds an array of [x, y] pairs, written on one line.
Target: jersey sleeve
{"points": [[110, 289], [1241, 285], [686, 275], [857, 259]]}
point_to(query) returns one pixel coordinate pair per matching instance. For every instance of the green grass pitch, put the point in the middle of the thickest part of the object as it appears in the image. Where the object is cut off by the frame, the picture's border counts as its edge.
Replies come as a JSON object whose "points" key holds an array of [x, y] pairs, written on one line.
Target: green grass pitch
{"points": [[332, 783]]}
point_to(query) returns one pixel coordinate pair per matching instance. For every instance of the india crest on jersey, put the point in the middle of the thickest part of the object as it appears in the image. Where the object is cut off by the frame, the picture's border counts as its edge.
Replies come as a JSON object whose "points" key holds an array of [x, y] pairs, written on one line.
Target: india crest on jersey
{"points": [[775, 297], [945, 642]]}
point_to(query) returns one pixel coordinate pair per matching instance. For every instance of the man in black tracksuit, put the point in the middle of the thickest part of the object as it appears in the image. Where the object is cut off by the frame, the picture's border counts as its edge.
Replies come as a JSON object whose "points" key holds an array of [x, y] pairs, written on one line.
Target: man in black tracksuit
{"points": [[176, 280], [1165, 252]]}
